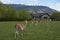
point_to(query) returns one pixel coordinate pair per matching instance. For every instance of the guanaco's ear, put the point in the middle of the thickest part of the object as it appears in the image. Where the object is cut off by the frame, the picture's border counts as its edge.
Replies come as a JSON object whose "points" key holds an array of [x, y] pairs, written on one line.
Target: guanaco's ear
{"points": [[26, 21]]}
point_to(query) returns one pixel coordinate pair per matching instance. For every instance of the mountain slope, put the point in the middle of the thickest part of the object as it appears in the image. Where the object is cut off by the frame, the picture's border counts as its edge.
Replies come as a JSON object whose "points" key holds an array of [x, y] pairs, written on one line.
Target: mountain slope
{"points": [[44, 9]]}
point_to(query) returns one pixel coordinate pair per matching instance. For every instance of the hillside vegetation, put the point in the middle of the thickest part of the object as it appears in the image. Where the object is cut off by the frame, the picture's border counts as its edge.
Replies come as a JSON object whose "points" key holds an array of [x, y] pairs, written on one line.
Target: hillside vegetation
{"points": [[11, 14]]}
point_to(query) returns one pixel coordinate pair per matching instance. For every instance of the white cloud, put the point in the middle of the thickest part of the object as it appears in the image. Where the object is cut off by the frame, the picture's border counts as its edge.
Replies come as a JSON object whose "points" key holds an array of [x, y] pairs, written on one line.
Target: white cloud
{"points": [[55, 6], [17, 1], [8, 1], [33, 2], [5, 1]]}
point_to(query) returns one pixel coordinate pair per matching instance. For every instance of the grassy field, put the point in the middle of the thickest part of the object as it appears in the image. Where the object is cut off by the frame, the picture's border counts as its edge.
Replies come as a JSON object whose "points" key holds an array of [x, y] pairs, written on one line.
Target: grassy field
{"points": [[42, 31]]}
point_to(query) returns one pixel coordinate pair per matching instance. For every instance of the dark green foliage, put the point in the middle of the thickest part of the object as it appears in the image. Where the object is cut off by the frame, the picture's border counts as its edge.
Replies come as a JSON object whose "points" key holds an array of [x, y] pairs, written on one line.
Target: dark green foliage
{"points": [[9, 14], [24, 15], [3, 11], [56, 16]]}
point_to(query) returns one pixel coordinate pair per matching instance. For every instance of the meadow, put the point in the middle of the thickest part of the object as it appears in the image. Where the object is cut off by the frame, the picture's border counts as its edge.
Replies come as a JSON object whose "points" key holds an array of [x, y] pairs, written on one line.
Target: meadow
{"points": [[41, 31]]}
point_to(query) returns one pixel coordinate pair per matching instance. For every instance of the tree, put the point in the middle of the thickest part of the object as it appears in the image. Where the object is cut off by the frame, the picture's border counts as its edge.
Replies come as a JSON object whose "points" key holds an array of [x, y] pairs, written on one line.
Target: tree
{"points": [[11, 14], [7, 13], [24, 15], [56, 16], [3, 10]]}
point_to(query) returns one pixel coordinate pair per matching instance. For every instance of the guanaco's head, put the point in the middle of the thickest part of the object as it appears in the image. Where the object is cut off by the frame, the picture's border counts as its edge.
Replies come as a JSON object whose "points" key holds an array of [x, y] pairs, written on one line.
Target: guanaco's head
{"points": [[25, 24]]}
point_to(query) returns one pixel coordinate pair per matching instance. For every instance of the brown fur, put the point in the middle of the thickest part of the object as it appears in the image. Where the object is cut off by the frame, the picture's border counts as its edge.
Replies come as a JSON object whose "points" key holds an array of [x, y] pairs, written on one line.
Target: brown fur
{"points": [[20, 27]]}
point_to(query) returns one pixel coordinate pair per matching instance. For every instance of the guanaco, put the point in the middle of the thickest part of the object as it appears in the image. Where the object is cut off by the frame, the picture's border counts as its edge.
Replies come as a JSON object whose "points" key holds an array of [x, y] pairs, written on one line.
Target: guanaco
{"points": [[20, 27]]}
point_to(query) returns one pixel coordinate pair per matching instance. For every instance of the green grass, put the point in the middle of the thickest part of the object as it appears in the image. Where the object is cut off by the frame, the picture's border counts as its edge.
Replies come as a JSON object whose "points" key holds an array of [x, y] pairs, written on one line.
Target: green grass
{"points": [[42, 31]]}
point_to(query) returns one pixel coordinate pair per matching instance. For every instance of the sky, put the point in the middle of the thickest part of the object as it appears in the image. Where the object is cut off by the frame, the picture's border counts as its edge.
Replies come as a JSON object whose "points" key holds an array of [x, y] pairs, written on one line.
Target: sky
{"points": [[54, 4]]}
